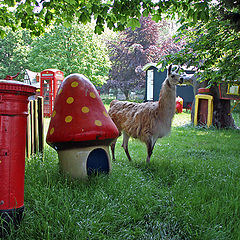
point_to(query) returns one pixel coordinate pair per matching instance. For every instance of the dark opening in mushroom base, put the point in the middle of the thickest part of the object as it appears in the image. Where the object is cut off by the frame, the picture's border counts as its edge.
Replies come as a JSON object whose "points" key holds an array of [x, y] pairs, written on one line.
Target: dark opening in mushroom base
{"points": [[98, 162]]}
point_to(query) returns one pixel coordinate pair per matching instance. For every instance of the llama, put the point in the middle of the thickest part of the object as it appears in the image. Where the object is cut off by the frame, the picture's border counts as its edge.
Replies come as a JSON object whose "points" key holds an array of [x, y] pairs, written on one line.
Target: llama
{"points": [[146, 121]]}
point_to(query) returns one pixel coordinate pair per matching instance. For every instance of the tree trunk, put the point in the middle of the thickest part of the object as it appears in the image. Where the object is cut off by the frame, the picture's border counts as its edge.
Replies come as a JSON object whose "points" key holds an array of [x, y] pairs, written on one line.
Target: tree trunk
{"points": [[126, 93], [222, 117]]}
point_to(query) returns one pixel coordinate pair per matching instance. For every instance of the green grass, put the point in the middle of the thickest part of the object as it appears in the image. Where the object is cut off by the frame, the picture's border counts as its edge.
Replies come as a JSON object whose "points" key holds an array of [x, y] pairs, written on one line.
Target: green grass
{"points": [[190, 190]]}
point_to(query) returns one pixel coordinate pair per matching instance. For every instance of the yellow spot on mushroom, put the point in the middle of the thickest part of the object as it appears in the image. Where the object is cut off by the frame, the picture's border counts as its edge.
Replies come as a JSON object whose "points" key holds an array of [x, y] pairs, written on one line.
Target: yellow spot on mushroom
{"points": [[98, 123], [74, 84], [85, 109], [92, 95], [68, 119], [51, 131], [70, 100], [53, 113], [105, 114]]}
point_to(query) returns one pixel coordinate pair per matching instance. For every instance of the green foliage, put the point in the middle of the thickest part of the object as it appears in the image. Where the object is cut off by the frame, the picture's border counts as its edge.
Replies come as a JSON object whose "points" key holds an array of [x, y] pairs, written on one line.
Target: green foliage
{"points": [[14, 49], [71, 49], [106, 101], [134, 23], [115, 14], [213, 25], [212, 47]]}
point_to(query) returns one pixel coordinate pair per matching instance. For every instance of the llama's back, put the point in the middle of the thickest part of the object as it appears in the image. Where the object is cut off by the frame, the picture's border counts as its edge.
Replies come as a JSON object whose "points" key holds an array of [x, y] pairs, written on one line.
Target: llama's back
{"points": [[136, 119], [121, 112]]}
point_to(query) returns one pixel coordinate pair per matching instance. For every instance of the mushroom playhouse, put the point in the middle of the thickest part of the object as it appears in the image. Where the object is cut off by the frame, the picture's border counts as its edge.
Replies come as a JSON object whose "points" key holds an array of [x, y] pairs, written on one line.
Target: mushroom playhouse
{"points": [[80, 128]]}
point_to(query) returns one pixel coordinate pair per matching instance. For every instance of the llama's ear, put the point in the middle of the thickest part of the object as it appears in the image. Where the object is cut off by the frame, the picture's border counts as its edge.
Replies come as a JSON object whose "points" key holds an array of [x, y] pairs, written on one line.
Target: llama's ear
{"points": [[169, 69]]}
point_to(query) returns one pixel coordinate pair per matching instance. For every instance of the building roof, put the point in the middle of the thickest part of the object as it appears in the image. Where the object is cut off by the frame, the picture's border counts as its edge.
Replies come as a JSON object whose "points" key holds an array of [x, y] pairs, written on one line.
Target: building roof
{"points": [[30, 78]]}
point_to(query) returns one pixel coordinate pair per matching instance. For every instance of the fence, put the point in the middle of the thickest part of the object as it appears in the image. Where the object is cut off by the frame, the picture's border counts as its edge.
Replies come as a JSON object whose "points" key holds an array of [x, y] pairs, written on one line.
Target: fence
{"points": [[35, 127]]}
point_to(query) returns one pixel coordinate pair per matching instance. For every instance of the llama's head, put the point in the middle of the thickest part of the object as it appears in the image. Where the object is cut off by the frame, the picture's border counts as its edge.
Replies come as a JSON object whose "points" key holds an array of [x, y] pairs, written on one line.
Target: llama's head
{"points": [[173, 77]]}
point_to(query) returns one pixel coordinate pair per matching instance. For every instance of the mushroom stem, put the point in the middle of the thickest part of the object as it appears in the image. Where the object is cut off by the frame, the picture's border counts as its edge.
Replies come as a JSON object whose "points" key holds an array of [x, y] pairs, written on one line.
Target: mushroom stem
{"points": [[70, 164]]}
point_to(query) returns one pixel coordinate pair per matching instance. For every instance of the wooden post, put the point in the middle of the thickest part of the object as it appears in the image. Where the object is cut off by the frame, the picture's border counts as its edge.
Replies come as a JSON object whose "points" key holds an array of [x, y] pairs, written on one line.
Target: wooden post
{"points": [[28, 134], [35, 125], [40, 124], [32, 126]]}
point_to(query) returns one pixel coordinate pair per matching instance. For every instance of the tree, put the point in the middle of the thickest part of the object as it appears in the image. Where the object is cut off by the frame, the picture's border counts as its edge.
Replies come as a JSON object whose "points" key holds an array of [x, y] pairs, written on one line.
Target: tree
{"points": [[130, 52], [213, 48], [14, 49], [135, 48], [36, 15], [72, 49]]}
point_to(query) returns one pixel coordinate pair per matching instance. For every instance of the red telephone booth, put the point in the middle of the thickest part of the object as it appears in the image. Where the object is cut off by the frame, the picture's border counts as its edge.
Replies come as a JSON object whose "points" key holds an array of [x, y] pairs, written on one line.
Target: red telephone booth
{"points": [[50, 80]]}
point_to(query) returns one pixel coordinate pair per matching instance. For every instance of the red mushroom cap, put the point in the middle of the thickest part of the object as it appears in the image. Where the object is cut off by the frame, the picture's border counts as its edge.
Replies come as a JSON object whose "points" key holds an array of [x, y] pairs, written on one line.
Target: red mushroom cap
{"points": [[79, 117]]}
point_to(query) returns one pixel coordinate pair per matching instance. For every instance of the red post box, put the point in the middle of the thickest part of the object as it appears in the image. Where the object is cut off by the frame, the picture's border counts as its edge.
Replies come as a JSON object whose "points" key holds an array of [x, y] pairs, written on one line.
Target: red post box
{"points": [[13, 121], [50, 80]]}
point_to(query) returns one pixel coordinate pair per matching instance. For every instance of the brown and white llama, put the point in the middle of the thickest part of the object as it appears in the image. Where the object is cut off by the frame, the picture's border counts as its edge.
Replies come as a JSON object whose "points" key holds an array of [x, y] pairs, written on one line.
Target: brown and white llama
{"points": [[146, 121]]}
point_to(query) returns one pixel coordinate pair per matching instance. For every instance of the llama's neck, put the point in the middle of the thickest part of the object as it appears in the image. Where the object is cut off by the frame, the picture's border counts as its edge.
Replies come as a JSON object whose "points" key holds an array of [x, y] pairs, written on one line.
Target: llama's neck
{"points": [[167, 100]]}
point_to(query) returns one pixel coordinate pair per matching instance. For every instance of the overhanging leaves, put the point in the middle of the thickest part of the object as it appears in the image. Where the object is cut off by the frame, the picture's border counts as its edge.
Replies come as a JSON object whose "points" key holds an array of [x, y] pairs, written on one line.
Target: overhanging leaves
{"points": [[34, 15]]}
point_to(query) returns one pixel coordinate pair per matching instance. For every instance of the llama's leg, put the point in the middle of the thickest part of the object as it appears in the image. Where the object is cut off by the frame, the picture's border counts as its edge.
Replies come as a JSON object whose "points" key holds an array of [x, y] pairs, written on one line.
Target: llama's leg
{"points": [[113, 148], [125, 145], [150, 146]]}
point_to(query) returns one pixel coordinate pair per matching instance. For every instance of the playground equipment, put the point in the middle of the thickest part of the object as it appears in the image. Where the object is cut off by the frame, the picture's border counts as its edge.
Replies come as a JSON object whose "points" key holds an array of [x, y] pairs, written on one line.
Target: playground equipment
{"points": [[203, 114], [179, 104], [211, 100], [81, 129], [13, 121], [50, 80]]}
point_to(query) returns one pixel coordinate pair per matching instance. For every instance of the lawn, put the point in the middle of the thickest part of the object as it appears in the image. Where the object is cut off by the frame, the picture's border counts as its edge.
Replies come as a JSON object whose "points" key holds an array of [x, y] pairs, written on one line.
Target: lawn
{"points": [[190, 190]]}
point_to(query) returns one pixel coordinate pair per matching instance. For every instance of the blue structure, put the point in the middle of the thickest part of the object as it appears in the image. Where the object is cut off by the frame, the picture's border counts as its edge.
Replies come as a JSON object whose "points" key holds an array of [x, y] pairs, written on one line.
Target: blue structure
{"points": [[154, 80]]}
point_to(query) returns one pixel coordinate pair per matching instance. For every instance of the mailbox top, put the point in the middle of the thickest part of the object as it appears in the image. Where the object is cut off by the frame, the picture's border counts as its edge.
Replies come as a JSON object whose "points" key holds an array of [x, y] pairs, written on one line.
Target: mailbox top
{"points": [[16, 87]]}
